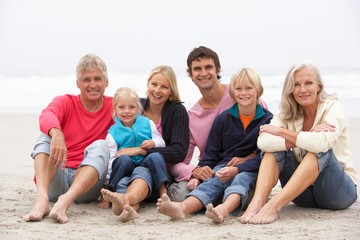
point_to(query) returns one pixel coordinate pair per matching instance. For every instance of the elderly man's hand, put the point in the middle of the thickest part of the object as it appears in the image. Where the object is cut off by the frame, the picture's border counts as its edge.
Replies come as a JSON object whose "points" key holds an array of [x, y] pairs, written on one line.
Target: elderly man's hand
{"points": [[58, 149]]}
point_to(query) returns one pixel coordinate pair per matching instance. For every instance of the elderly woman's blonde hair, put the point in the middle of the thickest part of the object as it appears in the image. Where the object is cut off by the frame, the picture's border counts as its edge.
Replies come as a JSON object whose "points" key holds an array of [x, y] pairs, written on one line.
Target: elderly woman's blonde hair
{"points": [[249, 74], [169, 74], [289, 108]]}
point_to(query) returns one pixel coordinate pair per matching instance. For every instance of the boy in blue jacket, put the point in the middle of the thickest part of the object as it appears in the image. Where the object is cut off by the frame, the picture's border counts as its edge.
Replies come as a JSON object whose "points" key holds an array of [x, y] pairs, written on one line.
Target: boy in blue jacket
{"points": [[231, 157]]}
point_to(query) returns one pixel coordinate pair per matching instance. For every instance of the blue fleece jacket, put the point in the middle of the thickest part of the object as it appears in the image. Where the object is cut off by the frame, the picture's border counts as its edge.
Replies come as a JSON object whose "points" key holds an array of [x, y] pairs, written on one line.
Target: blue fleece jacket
{"points": [[228, 139], [126, 137]]}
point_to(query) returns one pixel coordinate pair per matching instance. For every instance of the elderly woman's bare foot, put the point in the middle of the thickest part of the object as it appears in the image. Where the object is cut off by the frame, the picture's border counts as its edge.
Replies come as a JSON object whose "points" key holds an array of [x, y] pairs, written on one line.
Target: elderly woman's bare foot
{"points": [[266, 215], [117, 200], [128, 214], [217, 214], [171, 209], [40, 209], [253, 208]]}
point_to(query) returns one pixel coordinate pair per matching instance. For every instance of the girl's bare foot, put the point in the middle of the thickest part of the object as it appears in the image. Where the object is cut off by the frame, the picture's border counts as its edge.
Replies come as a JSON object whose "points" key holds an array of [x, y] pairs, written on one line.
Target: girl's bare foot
{"points": [[117, 200], [128, 214]]}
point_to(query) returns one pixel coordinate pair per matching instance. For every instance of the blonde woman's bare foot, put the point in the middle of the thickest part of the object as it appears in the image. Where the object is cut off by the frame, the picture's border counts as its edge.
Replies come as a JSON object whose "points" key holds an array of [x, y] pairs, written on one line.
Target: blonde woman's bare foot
{"points": [[169, 208], [104, 204], [128, 214], [117, 200], [253, 208], [40, 209], [217, 214]]}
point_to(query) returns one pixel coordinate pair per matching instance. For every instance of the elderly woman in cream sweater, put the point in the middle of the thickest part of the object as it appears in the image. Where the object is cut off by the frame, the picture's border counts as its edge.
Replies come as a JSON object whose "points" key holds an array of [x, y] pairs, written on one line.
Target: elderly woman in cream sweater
{"points": [[307, 147]]}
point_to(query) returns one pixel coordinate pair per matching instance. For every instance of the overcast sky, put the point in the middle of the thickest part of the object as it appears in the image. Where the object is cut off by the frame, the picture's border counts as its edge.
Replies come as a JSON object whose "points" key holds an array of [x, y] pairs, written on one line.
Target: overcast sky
{"points": [[48, 37]]}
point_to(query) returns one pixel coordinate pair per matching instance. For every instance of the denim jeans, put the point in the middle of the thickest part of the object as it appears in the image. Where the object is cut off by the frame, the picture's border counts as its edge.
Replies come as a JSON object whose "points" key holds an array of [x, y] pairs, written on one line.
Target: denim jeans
{"points": [[96, 155], [123, 167], [152, 170], [212, 188], [333, 188]]}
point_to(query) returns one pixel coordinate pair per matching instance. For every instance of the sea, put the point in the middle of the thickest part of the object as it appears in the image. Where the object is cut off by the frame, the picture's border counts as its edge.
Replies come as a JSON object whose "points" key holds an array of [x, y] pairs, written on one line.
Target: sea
{"points": [[31, 94]]}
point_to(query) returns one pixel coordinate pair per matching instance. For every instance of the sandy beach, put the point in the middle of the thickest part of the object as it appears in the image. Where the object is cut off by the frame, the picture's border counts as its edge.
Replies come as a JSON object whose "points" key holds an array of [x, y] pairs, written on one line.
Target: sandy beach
{"points": [[87, 221]]}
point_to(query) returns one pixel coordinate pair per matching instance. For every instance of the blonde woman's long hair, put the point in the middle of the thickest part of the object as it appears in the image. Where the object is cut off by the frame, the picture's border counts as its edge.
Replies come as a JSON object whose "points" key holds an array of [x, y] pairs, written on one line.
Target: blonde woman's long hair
{"points": [[289, 108], [170, 75]]}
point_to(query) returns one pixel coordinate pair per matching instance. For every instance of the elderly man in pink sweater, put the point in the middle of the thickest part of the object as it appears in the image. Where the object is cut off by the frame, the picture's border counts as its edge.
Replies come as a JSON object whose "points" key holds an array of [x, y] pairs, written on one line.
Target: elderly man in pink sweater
{"points": [[70, 159]]}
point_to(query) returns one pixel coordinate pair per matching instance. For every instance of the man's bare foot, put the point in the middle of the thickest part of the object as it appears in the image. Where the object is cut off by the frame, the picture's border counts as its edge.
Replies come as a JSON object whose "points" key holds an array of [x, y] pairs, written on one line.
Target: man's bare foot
{"points": [[104, 204], [267, 214], [128, 214], [253, 208], [171, 209], [217, 214], [40, 209], [58, 212], [117, 200]]}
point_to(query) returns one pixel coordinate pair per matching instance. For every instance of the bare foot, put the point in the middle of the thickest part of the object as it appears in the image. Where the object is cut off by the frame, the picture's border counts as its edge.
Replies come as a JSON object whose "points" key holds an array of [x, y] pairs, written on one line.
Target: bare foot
{"points": [[253, 208], [104, 204], [217, 214], [58, 212], [40, 209], [128, 214], [171, 209], [118, 200], [267, 214]]}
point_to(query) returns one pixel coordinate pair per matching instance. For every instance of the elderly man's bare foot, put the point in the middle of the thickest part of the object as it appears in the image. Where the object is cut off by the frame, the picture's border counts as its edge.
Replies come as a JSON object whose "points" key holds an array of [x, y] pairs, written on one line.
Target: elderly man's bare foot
{"points": [[117, 200], [253, 208], [217, 214], [58, 212], [40, 209], [172, 209], [128, 214], [267, 214]]}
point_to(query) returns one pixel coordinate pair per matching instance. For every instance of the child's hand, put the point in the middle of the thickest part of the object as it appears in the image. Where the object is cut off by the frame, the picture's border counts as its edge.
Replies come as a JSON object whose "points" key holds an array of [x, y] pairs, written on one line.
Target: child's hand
{"points": [[227, 173], [147, 144], [193, 183]]}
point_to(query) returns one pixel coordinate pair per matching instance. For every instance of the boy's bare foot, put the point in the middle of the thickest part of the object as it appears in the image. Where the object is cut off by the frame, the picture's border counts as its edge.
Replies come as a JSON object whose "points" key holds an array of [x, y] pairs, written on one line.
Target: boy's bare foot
{"points": [[171, 209], [58, 213], [267, 214], [40, 209], [128, 214], [117, 200], [253, 208], [217, 214]]}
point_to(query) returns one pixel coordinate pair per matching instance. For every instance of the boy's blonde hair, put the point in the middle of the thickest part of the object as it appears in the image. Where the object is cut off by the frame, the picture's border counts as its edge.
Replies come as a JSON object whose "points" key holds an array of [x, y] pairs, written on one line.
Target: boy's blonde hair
{"points": [[126, 92], [253, 78]]}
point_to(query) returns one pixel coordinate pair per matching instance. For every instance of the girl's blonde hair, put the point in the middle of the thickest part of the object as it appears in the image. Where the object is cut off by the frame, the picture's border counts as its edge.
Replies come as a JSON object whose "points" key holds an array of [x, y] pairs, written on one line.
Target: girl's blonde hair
{"points": [[253, 78], [169, 74], [126, 92], [289, 108]]}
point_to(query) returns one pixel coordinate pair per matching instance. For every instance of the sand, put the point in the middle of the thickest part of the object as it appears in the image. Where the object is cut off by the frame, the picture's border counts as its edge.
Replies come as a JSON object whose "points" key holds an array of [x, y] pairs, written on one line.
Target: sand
{"points": [[87, 221]]}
